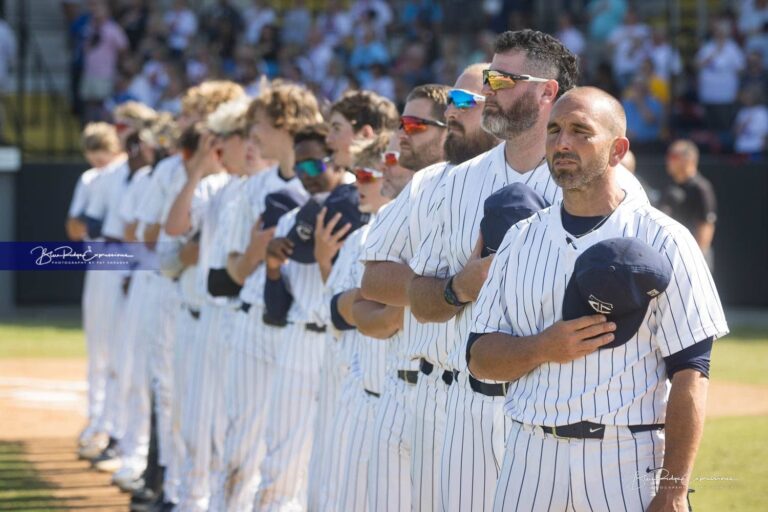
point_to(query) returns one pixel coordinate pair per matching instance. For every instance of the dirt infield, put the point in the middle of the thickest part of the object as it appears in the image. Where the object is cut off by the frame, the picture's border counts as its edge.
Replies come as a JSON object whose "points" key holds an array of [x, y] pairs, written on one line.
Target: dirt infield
{"points": [[42, 410]]}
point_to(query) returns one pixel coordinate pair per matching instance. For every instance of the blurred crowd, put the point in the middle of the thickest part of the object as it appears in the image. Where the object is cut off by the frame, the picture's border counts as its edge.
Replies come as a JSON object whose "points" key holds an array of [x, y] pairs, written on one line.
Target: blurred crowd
{"points": [[151, 51]]}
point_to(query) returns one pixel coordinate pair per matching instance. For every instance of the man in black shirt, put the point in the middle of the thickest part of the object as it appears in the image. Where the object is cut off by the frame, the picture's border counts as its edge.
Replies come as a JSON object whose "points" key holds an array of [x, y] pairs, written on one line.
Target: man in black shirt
{"points": [[690, 199]]}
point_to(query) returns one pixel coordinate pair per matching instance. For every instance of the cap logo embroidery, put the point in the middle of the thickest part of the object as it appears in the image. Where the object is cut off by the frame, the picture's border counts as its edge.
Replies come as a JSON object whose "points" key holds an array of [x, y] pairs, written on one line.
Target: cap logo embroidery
{"points": [[304, 231], [598, 305], [653, 293]]}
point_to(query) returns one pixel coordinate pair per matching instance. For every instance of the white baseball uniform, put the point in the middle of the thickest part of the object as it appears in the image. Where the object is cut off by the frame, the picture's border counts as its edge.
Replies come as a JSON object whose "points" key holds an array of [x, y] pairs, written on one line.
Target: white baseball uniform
{"points": [[396, 236], [476, 428], [250, 367], [291, 417], [616, 387]]}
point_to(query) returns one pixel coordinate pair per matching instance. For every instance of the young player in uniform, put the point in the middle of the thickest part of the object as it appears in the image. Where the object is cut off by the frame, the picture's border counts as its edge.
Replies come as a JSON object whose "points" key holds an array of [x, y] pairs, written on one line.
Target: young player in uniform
{"points": [[102, 150], [621, 303]]}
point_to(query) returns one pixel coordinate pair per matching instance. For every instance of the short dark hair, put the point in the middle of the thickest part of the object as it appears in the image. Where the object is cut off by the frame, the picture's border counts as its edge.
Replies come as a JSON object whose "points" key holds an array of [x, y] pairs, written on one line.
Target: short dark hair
{"points": [[545, 55], [436, 93], [362, 108], [313, 133]]}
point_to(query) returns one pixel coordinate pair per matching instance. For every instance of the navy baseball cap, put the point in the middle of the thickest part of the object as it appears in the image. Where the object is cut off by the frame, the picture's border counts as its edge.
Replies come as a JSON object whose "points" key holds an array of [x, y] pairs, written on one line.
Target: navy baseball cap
{"points": [[343, 199], [618, 278], [278, 204], [505, 208]]}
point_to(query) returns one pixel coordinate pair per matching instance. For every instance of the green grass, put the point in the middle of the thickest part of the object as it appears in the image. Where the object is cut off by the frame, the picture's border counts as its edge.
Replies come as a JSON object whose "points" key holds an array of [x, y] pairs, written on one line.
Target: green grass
{"points": [[740, 357], [32, 336], [20, 486], [732, 466]]}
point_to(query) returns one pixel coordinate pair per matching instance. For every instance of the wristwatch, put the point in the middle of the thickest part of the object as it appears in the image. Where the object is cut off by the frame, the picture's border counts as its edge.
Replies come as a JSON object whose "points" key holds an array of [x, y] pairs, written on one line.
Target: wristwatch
{"points": [[450, 296]]}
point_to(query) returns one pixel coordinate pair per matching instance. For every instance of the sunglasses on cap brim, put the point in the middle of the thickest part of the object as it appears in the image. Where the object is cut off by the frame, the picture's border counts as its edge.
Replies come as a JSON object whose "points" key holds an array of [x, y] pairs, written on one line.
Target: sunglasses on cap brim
{"points": [[463, 99], [312, 167], [413, 124], [390, 157], [366, 174], [498, 80]]}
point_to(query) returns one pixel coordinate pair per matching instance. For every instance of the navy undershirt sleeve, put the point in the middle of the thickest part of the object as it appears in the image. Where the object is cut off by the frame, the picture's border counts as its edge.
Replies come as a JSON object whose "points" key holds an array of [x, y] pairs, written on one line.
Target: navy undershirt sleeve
{"points": [[696, 357], [338, 320], [277, 302]]}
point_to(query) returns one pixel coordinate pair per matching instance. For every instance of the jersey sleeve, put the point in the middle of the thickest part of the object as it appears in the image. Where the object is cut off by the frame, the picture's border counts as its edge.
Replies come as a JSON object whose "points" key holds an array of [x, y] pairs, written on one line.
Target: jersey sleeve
{"points": [[79, 198], [388, 238], [431, 257], [689, 310], [491, 313]]}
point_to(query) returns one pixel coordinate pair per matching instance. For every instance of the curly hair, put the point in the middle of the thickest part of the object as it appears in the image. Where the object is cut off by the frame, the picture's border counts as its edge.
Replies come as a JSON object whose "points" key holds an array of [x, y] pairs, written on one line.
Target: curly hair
{"points": [[135, 114], [367, 152], [545, 56], [100, 137], [362, 108], [436, 93], [229, 118], [289, 106], [203, 99]]}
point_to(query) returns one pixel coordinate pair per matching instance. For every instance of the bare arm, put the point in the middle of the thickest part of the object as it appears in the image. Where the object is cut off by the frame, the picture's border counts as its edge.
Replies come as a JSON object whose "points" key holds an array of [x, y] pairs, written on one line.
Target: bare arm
{"points": [[151, 234], [499, 356], [387, 282], [129, 233], [684, 427], [703, 234], [377, 320], [242, 265], [345, 303], [178, 221], [76, 229], [189, 253]]}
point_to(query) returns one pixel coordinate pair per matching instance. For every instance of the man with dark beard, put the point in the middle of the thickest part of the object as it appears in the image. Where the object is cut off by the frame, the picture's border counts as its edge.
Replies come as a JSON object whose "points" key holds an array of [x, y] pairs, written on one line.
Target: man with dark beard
{"points": [[529, 71], [411, 418]]}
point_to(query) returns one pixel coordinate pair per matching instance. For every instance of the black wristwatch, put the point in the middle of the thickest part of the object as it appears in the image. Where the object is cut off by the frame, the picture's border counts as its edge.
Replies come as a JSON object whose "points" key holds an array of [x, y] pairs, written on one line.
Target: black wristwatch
{"points": [[450, 296]]}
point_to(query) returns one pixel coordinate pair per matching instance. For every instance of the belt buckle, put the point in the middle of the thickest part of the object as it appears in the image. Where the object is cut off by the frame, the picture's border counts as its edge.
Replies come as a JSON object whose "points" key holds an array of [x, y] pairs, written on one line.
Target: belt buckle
{"points": [[556, 435]]}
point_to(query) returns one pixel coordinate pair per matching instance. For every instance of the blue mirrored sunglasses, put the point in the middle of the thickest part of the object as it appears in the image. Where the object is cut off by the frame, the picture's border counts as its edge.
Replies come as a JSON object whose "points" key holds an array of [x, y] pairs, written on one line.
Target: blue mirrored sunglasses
{"points": [[311, 166], [462, 99]]}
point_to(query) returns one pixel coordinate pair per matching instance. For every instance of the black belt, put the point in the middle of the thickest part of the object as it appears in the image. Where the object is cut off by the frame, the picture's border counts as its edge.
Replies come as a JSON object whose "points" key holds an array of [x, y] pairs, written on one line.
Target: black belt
{"points": [[271, 322], [245, 307], [372, 393], [409, 376], [488, 389], [314, 327], [194, 313], [589, 430], [427, 368]]}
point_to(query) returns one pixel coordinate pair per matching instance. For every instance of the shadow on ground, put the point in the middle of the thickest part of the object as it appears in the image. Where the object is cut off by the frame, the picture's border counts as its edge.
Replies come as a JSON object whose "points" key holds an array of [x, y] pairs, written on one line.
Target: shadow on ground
{"points": [[46, 474]]}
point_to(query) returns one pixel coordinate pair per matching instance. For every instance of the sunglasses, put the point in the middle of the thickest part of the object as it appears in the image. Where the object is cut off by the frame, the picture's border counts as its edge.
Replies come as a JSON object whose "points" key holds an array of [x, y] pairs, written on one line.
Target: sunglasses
{"points": [[463, 100], [498, 80], [390, 157], [413, 124], [365, 175], [312, 167]]}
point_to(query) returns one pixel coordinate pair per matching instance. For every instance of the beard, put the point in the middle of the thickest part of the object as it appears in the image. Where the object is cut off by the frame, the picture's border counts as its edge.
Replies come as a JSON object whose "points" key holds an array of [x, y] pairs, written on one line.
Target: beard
{"points": [[578, 175], [518, 118], [426, 154], [461, 146]]}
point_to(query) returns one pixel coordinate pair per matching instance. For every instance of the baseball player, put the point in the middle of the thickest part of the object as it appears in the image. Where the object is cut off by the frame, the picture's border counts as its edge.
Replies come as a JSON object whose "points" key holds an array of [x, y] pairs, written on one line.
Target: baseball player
{"points": [[102, 151], [345, 481], [293, 298], [107, 205], [601, 312], [421, 135], [529, 70], [252, 359], [357, 117]]}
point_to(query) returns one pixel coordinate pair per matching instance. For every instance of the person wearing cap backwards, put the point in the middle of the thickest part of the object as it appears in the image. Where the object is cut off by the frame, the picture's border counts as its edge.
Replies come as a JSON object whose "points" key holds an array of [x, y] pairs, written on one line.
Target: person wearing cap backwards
{"points": [[293, 295], [600, 311]]}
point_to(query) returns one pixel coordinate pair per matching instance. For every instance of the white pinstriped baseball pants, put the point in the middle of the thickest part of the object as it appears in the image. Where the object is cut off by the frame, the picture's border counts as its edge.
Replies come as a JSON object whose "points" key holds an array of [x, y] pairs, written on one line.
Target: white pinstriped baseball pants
{"points": [[97, 347], [473, 449], [291, 420], [541, 472], [389, 471], [113, 325]]}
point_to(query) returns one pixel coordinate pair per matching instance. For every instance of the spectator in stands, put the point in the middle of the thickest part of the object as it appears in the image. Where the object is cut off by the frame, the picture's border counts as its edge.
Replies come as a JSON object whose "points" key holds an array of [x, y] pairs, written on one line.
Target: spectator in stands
{"points": [[658, 86], [645, 114], [377, 11], [296, 24], [105, 42], [369, 52], [314, 62], [133, 16], [247, 71], [256, 16], [630, 43], [758, 42], [200, 64], [666, 59], [223, 24], [335, 22], [604, 17], [755, 73], [170, 101], [690, 199], [381, 81], [750, 129], [719, 61], [181, 24], [570, 36], [337, 82], [753, 15], [268, 48]]}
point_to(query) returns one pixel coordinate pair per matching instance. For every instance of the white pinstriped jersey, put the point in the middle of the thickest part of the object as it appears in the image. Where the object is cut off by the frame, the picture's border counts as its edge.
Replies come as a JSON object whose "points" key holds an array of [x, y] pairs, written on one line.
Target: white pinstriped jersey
{"points": [[395, 237], [303, 281], [458, 213], [269, 181], [82, 192], [367, 356], [130, 205], [162, 180], [225, 205], [626, 385], [108, 200]]}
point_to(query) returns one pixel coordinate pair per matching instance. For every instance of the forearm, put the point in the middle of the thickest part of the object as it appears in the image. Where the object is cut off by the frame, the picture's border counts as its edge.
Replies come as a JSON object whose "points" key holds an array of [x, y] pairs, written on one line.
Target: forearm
{"points": [[178, 221], [427, 301], [325, 270], [240, 266], [387, 282], [129, 234], [151, 234], [346, 303], [704, 233], [377, 320], [76, 229], [499, 356], [683, 429], [189, 254]]}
